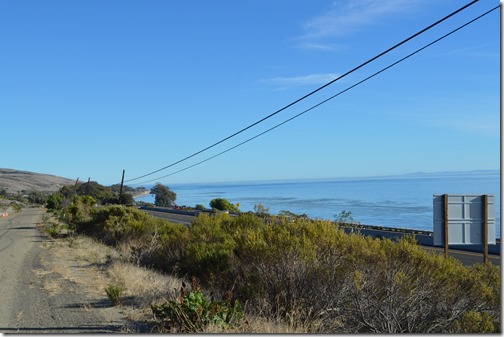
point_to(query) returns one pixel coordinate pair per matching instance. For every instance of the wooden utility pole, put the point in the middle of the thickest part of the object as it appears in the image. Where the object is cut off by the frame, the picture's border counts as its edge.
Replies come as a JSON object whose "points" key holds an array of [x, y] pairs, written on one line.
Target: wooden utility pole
{"points": [[485, 228], [87, 187], [445, 224], [75, 187], [121, 188]]}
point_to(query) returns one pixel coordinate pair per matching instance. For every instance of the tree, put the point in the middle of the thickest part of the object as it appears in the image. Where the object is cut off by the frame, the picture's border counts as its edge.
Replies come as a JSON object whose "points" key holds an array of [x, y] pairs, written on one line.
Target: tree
{"points": [[290, 214], [127, 199], [164, 196], [223, 205], [344, 217], [200, 207], [68, 191], [261, 210]]}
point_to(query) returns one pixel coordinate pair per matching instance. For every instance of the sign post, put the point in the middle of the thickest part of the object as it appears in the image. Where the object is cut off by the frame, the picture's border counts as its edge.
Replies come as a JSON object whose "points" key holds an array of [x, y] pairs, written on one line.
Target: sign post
{"points": [[485, 228], [445, 224]]}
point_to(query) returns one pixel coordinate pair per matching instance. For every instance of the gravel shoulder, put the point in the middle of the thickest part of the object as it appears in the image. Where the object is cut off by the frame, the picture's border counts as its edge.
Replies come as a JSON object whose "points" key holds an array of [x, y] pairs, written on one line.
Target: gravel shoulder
{"points": [[44, 289]]}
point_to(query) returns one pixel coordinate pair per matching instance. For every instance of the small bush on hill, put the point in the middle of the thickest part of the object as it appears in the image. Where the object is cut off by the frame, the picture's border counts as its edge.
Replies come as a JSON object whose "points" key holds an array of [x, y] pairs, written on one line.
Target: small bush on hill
{"points": [[192, 311], [114, 293]]}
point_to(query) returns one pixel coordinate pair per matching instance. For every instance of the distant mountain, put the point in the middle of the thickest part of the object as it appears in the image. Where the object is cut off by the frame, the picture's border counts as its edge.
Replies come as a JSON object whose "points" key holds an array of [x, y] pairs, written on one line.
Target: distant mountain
{"points": [[14, 181], [451, 173]]}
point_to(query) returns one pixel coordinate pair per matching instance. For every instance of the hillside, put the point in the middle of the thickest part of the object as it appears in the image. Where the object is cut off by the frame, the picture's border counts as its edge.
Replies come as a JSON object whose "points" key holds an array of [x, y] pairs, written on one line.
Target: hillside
{"points": [[14, 181]]}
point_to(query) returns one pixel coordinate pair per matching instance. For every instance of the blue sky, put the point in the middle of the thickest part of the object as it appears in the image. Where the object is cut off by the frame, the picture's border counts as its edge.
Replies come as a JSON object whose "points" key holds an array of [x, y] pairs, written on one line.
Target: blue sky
{"points": [[89, 88]]}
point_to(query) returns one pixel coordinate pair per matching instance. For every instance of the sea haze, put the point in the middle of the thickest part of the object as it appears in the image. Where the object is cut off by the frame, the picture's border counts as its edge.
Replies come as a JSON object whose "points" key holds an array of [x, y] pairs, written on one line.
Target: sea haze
{"points": [[393, 201]]}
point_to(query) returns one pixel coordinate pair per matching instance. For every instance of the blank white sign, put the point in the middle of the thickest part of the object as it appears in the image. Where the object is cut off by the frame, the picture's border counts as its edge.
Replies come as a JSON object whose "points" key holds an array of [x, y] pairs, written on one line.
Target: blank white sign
{"points": [[465, 219]]}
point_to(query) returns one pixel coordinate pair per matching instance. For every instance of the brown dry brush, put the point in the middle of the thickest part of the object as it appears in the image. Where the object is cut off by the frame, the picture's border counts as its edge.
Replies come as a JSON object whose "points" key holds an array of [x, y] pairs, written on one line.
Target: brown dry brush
{"points": [[409, 290], [363, 285]]}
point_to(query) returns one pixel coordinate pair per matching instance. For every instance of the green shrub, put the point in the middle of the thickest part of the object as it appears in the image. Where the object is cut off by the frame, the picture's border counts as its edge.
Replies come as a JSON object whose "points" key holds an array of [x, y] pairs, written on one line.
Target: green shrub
{"points": [[115, 223], [56, 230], [192, 311], [114, 293], [287, 263], [154, 242], [54, 201], [172, 240], [52, 229], [476, 322], [15, 206], [80, 209], [209, 248]]}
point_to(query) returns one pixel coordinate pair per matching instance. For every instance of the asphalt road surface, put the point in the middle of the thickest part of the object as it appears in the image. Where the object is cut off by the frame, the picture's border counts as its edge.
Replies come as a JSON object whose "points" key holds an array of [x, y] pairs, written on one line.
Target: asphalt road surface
{"points": [[467, 258], [26, 306], [172, 217]]}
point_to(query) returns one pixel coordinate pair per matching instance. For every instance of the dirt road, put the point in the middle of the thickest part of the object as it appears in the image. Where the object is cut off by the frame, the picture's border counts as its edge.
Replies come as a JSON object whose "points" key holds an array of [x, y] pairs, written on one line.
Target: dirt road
{"points": [[34, 298]]}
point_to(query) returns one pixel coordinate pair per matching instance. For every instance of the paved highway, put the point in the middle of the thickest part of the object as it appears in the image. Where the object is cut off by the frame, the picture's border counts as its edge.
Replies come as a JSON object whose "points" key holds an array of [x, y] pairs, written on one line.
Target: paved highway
{"points": [[172, 217], [467, 258]]}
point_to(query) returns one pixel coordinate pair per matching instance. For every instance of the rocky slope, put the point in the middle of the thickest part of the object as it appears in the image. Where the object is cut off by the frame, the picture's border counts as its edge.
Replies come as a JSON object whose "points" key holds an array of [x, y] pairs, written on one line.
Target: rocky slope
{"points": [[14, 181]]}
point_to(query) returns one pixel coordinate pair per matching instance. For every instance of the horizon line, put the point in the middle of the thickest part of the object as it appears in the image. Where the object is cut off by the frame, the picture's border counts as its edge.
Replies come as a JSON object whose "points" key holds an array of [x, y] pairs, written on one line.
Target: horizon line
{"points": [[399, 175]]}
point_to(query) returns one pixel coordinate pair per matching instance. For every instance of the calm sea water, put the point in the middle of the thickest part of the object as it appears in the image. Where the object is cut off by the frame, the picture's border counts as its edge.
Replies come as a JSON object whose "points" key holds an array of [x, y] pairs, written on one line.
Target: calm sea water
{"points": [[399, 201]]}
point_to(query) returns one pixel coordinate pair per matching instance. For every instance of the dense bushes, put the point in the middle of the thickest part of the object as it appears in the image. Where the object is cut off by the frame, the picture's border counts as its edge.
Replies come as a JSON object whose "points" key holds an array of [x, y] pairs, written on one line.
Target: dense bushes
{"points": [[208, 249], [103, 195], [310, 274], [153, 242]]}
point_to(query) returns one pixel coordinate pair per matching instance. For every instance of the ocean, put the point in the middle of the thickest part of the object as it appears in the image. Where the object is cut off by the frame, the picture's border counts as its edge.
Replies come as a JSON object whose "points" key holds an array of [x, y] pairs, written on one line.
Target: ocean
{"points": [[403, 201]]}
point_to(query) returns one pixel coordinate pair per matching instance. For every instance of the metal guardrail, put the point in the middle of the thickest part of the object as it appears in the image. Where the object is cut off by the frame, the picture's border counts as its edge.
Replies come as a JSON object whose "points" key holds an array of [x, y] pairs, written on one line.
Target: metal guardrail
{"points": [[422, 239]]}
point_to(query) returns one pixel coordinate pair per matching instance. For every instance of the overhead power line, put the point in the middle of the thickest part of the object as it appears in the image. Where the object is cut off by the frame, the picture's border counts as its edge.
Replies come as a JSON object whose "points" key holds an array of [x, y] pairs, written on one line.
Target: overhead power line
{"points": [[328, 99], [310, 93]]}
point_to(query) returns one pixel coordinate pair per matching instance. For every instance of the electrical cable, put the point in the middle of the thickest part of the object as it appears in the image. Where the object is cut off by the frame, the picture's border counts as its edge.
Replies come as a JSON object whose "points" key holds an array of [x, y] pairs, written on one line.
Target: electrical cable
{"points": [[310, 93], [328, 99]]}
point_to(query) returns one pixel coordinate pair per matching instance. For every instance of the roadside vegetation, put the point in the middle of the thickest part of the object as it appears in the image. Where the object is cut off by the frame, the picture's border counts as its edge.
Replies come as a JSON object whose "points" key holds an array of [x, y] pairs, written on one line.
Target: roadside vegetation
{"points": [[103, 195], [288, 274]]}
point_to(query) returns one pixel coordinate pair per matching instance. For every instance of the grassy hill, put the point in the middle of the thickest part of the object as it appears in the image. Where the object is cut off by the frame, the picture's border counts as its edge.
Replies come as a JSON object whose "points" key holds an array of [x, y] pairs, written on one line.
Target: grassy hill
{"points": [[14, 181]]}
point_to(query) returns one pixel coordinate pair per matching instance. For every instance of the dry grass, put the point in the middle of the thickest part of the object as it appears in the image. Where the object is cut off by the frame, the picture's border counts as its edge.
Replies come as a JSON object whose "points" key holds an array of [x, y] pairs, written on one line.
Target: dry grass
{"points": [[94, 266], [87, 250], [52, 287], [143, 285], [259, 325]]}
